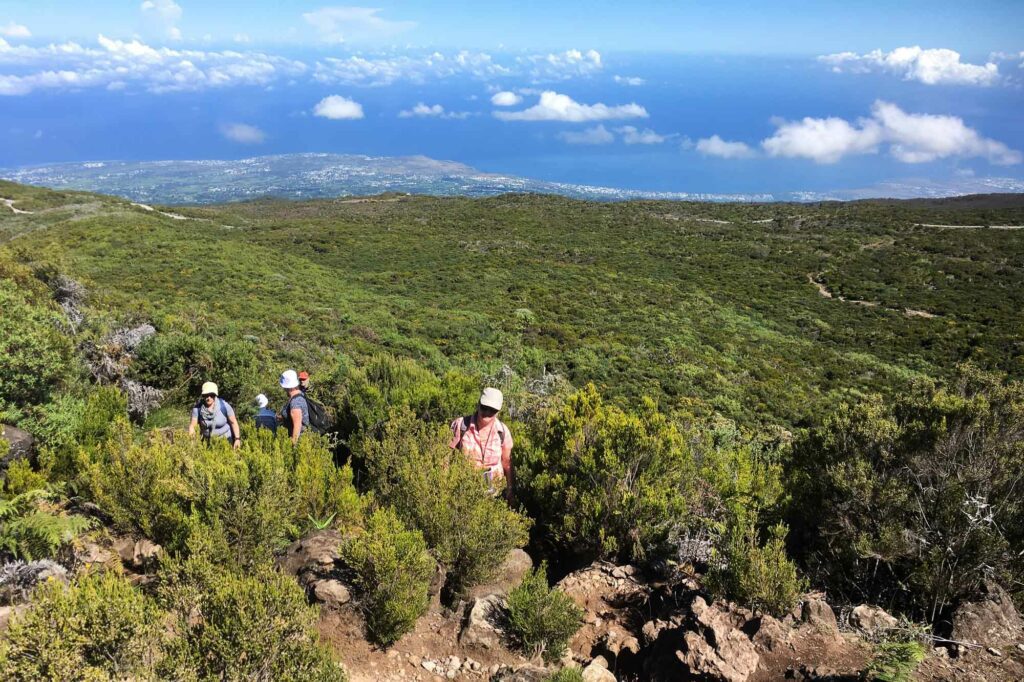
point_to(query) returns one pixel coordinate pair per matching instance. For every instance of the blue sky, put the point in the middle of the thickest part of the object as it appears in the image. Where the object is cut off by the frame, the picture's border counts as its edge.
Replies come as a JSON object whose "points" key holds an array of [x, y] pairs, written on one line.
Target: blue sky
{"points": [[736, 96]]}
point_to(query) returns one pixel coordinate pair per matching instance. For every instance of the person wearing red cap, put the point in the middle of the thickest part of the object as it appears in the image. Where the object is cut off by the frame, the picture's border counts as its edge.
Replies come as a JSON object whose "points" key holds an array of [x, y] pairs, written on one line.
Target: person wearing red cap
{"points": [[303, 382]]}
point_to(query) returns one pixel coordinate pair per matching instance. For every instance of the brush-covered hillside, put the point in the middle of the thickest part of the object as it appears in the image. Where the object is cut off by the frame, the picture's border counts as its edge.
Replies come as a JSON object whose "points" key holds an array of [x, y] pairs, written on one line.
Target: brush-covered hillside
{"points": [[740, 406]]}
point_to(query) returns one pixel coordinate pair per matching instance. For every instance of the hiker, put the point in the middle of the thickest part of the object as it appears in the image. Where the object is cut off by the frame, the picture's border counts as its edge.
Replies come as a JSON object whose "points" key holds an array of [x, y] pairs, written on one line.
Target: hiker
{"points": [[303, 382], [484, 440], [295, 413], [214, 417], [265, 417]]}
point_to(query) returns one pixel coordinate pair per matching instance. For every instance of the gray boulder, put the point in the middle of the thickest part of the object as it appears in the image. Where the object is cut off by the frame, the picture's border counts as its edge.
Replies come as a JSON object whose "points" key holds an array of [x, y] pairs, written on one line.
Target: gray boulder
{"points": [[482, 627], [991, 621], [872, 619], [717, 650], [20, 445]]}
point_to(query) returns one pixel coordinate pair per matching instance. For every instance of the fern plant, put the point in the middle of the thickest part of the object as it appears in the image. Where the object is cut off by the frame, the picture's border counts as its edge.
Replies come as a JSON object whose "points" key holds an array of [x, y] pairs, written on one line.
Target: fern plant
{"points": [[30, 529]]}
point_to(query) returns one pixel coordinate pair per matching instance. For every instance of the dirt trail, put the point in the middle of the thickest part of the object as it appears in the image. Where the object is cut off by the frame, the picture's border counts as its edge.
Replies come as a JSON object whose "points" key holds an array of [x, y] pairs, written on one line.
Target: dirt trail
{"points": [[826, 293], [10, 205], [972, 227]]}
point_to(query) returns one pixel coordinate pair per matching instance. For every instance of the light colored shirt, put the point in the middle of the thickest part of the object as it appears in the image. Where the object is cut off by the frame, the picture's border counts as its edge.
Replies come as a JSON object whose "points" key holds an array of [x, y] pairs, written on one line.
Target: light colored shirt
{"points": [[221, 425], [484, 448]]}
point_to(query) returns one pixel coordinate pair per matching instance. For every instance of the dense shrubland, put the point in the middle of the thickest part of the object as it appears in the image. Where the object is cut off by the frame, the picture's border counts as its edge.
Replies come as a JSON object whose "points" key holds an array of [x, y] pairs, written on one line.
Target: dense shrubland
{"points": [[827, 446]]}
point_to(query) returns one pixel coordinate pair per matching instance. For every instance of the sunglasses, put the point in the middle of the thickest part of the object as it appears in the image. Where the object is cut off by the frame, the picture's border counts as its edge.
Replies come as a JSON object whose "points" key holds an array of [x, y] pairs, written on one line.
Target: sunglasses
{"points": [[488, 411], [209, 395]]}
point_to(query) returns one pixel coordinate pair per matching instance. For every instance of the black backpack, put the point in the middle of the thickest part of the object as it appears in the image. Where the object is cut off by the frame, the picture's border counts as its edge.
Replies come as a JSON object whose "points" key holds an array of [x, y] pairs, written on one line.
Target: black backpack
{"points": [[319, 420]]}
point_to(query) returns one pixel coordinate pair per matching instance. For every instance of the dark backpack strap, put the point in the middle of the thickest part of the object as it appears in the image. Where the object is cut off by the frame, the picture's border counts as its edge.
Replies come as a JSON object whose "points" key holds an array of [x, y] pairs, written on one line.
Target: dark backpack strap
{"points": [[464, 426]]}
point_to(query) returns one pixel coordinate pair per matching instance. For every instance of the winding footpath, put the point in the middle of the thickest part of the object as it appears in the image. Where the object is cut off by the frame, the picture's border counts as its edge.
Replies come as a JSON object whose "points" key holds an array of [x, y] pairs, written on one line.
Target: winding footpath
{"points": [[10, 204], [826, 293]]}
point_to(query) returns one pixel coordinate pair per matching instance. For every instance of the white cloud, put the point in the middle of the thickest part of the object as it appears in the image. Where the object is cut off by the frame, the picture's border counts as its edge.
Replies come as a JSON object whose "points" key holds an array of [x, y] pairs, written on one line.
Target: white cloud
{"points": [[556, 107], [911, 138], [716, 146], [348, 24], [116, 64], [242, 38], [387, 69], [596, 135], [628, 80], [243, 133], [631, 135], [164, 14], [13, 30], [562, 65], [422, 110], [336, 107], [505, 98], [931, 67]]}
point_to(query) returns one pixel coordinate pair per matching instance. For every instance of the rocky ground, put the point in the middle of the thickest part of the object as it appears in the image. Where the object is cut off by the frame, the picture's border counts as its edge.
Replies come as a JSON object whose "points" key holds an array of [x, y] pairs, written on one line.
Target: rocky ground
{"points": [[642, 627], [636, 626]]}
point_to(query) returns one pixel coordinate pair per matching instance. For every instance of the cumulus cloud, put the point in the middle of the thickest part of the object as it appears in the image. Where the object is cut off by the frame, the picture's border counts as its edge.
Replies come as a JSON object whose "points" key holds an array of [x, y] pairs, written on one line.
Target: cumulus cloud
{"points": [[422, 110], [628, 80], [165, 14], [387, 69], [556, 107], [348, 24], [561, 65], [336, 108], [116, 64], [243, 133], [931, 67], [596, 135], [716, 146], [631, 135], [911, 138], [13, 30], [505, 98]]}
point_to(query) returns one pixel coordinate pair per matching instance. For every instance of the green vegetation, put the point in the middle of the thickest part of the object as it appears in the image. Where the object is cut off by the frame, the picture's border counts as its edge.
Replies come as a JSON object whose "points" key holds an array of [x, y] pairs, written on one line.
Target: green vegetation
{"points": [[541, 618], [437, 491], [566, 675], [895, 661], [681, 388], [759, 576], [393, 570], [98, 629], [241, 626], [914, 493]]}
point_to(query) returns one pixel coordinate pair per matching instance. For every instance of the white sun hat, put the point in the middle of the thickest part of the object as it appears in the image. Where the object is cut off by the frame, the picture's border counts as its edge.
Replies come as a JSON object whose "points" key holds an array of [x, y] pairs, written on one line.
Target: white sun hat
{"points": [[208, 388], [261, 401], [491, 397], [289, 379]]}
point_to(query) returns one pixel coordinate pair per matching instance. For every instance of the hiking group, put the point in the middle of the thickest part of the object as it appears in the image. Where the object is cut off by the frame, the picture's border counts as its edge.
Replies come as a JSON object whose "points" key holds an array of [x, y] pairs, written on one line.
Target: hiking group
{"points": [[481, 437]]}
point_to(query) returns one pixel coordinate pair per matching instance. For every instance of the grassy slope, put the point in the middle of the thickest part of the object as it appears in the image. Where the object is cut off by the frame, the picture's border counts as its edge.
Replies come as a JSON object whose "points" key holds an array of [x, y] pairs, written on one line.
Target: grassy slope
{"points": [[641, 297]]}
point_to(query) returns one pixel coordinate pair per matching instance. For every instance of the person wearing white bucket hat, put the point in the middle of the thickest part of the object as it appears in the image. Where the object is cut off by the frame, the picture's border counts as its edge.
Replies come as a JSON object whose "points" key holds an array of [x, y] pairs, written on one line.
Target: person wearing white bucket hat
{"points": [[484, 440], [295, 413], [265, 417], [214, 417]]}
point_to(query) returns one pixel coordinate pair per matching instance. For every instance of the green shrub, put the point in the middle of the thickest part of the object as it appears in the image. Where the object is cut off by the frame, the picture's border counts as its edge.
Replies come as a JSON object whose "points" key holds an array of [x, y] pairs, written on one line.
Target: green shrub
{"points": [[393, 572], [434, 489], [32, 528], [368, 392], [900, 501], [98, 628], [760, 577], [35, 357], [895, 661], [182, 362], [566, 675], [542, 619], [257, 498], [241, 626], [604, 483], [20, 477]]}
